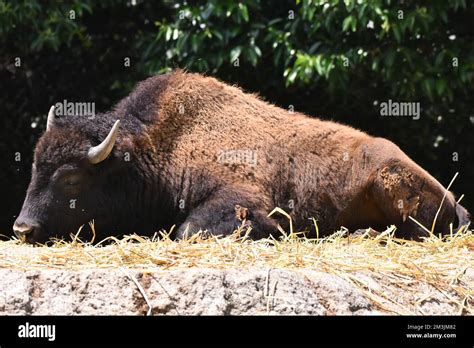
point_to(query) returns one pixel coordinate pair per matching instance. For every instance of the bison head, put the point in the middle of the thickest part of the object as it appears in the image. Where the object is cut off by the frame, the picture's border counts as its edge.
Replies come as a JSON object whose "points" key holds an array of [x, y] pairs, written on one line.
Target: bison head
{"points": [[68, 184]]}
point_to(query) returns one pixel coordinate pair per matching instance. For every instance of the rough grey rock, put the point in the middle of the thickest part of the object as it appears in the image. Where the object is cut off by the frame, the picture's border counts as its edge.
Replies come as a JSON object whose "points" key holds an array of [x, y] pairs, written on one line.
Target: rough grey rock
{"points": [[194, 291], [178, 292]]}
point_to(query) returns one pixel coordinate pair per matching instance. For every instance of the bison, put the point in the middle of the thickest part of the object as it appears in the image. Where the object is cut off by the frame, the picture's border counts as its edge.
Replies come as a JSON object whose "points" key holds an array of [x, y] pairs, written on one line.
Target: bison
{"points": [[188, 150]]}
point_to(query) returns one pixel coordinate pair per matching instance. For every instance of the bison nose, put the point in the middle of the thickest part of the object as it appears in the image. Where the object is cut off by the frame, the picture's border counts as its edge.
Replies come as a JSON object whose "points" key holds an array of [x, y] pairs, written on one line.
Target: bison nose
{"points": [[22, 229]]}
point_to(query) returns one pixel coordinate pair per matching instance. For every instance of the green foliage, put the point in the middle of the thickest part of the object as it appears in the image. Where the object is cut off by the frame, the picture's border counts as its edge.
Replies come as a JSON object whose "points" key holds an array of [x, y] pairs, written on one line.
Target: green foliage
{"points": [[334, 58]]}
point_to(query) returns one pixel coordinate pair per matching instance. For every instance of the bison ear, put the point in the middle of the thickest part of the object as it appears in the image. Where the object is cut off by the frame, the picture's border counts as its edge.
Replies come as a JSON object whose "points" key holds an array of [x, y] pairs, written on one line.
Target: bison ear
{"points": [[50, 120], [97, 154]]}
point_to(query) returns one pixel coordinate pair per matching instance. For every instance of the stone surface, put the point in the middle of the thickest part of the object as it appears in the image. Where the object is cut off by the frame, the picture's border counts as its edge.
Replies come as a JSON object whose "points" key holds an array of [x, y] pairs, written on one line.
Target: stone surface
{"points": [[194, 291]]}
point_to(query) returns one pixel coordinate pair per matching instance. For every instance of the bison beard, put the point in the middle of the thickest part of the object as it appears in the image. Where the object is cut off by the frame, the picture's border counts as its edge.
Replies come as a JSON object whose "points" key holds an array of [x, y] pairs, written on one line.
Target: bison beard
{"points": [[194, 152]]}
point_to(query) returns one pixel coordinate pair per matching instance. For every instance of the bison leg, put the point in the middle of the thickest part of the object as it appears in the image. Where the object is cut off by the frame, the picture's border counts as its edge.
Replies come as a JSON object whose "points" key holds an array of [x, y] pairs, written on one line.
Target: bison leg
{"points": [[402, 190], [225, 211], [362, 231]]}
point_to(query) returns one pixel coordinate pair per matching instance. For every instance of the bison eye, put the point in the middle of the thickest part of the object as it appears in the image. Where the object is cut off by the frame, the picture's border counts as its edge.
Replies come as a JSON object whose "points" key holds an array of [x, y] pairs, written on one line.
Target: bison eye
{"points": [[72, 182], [67, 177]]}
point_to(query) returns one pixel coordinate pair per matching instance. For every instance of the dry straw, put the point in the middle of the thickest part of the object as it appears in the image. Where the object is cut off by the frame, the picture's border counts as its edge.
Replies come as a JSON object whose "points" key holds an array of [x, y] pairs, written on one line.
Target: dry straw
{"points": [[374, 265]]}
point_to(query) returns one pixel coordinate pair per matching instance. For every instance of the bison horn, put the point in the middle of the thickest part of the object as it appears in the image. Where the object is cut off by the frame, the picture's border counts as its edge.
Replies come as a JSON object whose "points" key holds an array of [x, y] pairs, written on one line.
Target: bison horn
{"points": [[50, 121], [97, 154]]}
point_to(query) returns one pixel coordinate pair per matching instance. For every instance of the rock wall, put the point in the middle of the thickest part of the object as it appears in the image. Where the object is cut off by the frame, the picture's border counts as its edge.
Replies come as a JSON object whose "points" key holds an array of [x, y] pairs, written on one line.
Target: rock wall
{"points": [[178, 292], [194, 291]]}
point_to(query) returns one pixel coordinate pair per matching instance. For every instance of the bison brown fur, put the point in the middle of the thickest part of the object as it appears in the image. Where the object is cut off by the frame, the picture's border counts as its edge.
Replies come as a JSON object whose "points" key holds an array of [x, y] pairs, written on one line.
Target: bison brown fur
{"points": [[191, 150]]}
